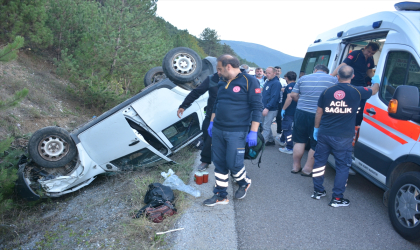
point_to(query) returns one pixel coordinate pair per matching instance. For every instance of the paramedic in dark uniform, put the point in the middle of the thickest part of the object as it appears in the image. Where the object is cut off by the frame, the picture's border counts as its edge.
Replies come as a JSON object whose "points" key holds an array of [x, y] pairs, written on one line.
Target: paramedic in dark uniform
{"points": [[362, 62], [334, 131], [238, 105], [210, 85]]}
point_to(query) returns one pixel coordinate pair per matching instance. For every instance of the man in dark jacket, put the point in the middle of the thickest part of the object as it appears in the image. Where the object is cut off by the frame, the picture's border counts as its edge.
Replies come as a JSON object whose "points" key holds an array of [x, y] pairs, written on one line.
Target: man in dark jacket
{"points": [[210, 85], [238, 103], [270, 100]]}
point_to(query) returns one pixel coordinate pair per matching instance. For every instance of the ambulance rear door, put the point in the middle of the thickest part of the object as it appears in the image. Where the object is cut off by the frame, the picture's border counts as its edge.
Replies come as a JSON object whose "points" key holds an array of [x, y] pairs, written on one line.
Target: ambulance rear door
{"points": [[383, 139]]}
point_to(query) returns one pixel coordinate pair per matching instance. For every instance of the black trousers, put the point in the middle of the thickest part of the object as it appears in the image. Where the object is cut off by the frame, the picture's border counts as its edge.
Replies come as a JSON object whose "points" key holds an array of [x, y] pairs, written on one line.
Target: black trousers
{"points": [[206, 151], [278, 118]]}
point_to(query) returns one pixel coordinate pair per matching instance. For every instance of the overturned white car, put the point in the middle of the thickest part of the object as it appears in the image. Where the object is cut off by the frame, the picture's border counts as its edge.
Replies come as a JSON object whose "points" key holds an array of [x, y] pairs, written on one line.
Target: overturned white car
{"points": [[142, 131]]}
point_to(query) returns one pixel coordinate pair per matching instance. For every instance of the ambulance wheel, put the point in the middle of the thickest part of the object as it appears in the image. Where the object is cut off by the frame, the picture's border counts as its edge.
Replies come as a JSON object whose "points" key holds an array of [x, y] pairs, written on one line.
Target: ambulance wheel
{"points": [[154, 75], [404, 206], [51, 147], [182, 65]]}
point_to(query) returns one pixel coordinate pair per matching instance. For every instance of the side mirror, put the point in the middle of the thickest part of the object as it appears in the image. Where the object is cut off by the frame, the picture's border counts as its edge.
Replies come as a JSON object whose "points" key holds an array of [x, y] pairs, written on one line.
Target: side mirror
{"points": [[405, 104]]}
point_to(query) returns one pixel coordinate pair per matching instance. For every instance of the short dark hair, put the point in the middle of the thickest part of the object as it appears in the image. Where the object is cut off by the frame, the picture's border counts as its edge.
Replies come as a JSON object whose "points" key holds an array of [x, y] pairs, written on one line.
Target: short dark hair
{"points": [[345, 72], [228, 59], [259, 69], [322, 67], [277, 67], [302, 71], [291, 75], [373, 45]]}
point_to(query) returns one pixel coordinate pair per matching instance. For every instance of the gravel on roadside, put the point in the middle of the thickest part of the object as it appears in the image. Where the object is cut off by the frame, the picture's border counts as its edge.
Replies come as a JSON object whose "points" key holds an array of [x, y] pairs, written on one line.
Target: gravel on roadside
{"points": [[205, 227]]}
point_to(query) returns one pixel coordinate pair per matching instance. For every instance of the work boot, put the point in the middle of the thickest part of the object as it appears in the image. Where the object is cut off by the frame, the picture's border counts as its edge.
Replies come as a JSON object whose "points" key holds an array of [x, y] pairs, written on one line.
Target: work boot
{"points": [[203, 166]]}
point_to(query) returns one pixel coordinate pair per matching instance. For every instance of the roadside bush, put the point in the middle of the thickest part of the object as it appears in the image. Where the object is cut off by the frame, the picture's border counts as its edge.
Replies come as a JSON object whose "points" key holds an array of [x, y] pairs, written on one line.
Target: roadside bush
{"points": [[106, 49], [8, 174]]}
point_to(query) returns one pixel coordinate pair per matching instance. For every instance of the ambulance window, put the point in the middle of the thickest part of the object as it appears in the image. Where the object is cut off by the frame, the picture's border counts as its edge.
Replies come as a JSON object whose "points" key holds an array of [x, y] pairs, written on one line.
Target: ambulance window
{"points": [[314, 58], [401, 69]]}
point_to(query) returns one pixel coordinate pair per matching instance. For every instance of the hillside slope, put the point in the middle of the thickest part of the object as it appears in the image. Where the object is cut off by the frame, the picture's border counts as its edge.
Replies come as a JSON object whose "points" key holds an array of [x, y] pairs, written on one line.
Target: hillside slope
{"points": [[259, 54]]}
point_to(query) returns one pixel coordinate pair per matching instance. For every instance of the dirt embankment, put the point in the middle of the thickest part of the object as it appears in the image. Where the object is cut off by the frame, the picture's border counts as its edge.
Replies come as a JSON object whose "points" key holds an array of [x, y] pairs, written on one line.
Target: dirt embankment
{"points": [[95, 217]]}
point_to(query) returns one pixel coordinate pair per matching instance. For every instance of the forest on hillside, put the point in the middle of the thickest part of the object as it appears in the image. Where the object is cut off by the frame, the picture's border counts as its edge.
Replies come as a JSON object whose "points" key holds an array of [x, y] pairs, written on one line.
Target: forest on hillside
{"points": [[104, 47]]}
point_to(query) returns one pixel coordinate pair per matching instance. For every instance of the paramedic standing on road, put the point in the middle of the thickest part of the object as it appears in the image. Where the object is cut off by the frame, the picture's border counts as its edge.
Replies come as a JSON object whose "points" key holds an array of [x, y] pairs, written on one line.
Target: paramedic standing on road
{"points": [[238, 103], [210, 85], [334, 131], [362, 62]]}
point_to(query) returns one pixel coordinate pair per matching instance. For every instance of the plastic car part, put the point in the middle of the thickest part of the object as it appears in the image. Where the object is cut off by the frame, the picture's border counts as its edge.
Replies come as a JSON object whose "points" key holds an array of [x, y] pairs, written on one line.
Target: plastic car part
{"points": [[51, 147], [153, 76], [182, 65]]}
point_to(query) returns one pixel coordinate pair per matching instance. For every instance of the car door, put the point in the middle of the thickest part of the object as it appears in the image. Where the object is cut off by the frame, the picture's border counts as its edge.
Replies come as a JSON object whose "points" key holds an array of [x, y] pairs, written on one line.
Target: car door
{"points": [[112, 140], [383, 139], [159, 111]]}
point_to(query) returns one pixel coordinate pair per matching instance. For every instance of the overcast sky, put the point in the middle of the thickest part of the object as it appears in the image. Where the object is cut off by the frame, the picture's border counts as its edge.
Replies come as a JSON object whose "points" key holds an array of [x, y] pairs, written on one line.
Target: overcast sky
{"points": [[287, 26]]}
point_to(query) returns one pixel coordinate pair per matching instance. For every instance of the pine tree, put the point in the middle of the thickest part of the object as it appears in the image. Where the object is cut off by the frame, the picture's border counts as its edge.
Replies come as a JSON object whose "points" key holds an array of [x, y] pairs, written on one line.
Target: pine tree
{"points": [[8, 175], [210, 42], [25, 18]]}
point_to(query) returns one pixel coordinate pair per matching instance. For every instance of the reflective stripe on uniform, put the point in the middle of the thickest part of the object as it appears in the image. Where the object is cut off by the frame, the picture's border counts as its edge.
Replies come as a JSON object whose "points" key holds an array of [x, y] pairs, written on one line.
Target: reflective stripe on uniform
{"points": [[318, 171], [221, 176], [239, 173], [222, 183]]}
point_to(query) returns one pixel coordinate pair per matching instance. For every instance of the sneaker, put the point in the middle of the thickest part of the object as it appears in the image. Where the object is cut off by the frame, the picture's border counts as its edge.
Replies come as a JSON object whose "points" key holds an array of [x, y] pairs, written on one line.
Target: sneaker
{"points": [[216, 200], [281, 143], [286, 150], [270, 143], [241, 192], [203, 166], [339, 202], [317, 195]]}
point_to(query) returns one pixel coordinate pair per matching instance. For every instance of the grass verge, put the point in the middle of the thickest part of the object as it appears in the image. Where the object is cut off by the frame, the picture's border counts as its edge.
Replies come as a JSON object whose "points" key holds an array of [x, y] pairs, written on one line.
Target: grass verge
{"points": [[98, 216]]}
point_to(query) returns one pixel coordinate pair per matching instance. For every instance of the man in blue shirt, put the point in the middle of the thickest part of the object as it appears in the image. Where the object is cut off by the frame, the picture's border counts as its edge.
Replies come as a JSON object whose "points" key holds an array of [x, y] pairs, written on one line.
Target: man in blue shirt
{"points": [[334, 131], [259, 74], [270, 100], [362, 62], [238, 104]]}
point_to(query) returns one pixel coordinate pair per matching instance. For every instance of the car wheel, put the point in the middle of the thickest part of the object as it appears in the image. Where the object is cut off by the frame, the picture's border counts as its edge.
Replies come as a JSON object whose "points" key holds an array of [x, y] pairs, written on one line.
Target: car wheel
{"points": [[153, 76], [51, 147], [404, 206], [182, 65]]}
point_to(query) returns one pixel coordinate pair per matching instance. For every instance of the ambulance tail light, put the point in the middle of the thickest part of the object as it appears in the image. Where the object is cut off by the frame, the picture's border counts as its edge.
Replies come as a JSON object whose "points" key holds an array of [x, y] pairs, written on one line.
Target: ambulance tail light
{"points": [[393, 106]]}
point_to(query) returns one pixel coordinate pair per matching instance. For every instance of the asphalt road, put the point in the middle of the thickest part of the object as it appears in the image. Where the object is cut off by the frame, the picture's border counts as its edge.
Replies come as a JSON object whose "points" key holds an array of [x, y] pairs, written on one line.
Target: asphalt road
{"points": [[278, 213]]}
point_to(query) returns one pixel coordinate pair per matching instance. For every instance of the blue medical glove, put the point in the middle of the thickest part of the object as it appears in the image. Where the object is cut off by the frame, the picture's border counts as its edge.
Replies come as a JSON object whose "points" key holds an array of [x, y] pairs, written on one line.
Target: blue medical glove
{"points": [[316, 134], [282, 113], [375, 79], [251, 138], [210, 129]]}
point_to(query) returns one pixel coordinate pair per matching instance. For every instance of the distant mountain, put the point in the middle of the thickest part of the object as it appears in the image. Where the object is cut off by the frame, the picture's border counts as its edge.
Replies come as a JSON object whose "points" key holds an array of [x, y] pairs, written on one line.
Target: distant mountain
{"points": [[261, 55]]}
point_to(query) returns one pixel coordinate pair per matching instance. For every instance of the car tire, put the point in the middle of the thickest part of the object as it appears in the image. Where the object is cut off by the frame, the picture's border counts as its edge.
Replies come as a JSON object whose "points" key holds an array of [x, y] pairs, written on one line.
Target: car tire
{"points": [[403, 206], [51, 147], [182, 65], [153, 76]]}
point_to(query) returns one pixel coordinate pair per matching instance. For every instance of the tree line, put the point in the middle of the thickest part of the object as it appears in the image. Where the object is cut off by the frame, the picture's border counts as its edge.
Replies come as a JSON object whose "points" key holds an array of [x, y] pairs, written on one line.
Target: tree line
{"points": [[103, 47]]}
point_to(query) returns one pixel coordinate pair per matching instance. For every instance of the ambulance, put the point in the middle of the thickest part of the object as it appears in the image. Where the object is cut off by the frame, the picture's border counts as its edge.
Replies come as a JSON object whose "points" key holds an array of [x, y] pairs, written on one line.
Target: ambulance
{"points": [[387, 150]]}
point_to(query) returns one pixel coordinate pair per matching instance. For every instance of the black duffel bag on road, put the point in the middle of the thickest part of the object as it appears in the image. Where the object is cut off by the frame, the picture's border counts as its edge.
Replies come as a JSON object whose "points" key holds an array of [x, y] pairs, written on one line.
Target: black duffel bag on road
{"points": [[156, 195]]}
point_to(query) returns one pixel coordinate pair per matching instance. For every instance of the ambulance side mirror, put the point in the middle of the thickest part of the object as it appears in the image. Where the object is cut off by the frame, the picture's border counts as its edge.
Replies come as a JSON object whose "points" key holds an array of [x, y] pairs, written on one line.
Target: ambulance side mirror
{"points": [[404, 104]]}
